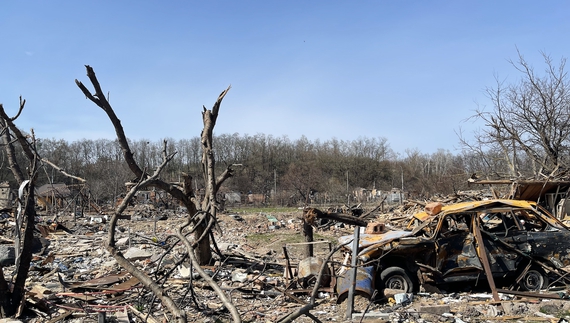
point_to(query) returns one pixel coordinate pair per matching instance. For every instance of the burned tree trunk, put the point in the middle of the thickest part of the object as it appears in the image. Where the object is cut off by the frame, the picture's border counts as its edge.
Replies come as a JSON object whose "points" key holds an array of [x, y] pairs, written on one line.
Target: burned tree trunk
{"points": [[210, 205], [12, 300], [201, 214]]}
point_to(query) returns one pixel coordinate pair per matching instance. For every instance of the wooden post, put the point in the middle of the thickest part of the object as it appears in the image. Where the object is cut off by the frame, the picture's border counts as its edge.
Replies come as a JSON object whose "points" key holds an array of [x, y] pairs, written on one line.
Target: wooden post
{"points": [[482, 252], [308, 233], [288, 264]]}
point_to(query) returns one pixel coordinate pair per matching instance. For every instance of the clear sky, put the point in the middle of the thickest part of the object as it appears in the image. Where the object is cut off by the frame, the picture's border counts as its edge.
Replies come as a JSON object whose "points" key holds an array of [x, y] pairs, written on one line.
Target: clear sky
{"points": [[408, 71]]}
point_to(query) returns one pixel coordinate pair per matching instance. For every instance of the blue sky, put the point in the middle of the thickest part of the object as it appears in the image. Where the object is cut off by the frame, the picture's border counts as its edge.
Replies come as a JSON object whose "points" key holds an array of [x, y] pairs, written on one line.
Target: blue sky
{"points": [[408, 71]]}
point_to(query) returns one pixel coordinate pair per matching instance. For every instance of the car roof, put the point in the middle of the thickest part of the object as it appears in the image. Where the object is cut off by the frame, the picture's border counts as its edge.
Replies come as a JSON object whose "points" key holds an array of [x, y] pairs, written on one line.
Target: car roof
{"points": [[472, 205]]}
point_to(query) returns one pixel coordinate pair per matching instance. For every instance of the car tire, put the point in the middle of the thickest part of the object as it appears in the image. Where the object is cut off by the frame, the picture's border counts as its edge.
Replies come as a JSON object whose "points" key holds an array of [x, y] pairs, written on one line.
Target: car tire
{"points": [[534, 280], [397, 278]]}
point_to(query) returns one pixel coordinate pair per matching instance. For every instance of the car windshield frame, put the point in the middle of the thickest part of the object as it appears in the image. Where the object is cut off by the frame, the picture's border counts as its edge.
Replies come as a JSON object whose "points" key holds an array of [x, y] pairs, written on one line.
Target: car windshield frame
{"points": [[549, 218]]}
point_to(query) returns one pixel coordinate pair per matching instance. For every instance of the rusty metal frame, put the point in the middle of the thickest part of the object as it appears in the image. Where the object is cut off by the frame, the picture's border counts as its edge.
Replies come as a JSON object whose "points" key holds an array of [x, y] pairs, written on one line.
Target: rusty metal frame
{"points": [[293, 282]]}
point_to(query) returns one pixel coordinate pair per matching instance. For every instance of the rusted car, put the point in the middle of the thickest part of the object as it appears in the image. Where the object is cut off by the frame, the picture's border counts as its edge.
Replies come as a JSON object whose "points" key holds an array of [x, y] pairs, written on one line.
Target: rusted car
{"points": [[522, 242]]}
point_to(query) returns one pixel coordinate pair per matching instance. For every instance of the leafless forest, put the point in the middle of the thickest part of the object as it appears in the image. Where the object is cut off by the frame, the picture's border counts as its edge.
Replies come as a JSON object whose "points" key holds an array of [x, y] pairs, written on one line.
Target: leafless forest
{"points": [[299, 171]]}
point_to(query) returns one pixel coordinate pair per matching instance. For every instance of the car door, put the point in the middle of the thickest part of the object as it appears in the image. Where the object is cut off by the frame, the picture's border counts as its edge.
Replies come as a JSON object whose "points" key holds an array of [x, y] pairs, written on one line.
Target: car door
{"points": [[503, 225], [456, 253]]}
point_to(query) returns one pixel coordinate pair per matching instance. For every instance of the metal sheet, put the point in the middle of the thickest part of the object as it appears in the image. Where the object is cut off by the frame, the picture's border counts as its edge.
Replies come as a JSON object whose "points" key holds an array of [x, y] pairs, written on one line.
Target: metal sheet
{"points": [[367, 240], [364, 283]]}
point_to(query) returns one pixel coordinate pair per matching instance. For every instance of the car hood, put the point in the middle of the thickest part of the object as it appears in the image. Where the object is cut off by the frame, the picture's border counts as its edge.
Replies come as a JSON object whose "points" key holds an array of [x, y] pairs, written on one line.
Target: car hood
{"points": [[371, 241]]}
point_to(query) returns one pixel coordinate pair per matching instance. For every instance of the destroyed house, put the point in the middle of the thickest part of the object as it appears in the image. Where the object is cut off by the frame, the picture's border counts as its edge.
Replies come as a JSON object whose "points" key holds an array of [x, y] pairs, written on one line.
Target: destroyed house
{"points": [[52, 195]]}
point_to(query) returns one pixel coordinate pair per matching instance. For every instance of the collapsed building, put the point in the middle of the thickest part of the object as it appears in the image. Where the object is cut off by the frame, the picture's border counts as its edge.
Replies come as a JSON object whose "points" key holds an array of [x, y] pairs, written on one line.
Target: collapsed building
{"points": [[551, 194]]}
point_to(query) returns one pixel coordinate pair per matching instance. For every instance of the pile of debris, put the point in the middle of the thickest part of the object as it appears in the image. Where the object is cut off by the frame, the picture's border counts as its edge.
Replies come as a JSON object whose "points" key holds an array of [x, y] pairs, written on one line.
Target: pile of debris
{"points": [[74, 279]]}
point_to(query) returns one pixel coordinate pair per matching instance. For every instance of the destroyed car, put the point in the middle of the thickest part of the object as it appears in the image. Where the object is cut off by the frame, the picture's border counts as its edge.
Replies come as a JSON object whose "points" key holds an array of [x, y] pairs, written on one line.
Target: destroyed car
{"points": [[523, 244]]}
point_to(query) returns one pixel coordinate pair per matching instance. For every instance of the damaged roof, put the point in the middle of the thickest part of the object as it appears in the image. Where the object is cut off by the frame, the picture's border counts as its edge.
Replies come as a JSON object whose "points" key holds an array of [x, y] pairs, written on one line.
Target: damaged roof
{"points": [[60, 190], [531, 190]]}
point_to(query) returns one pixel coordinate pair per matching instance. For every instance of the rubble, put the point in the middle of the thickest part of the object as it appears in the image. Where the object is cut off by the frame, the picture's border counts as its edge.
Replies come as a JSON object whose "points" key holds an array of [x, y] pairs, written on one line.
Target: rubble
{"points": [[76, 280]]}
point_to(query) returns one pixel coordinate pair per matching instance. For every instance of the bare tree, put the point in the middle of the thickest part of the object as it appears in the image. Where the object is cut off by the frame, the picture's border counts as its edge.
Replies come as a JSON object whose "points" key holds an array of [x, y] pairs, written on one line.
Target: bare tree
{"points": [[201, 214], [530, 120], [12, 291], [302, 178]]}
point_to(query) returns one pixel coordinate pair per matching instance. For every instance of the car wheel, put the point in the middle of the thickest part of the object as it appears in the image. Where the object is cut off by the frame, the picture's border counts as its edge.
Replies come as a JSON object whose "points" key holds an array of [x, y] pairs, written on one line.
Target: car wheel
{"points": [[397, 278], [534, 280]]}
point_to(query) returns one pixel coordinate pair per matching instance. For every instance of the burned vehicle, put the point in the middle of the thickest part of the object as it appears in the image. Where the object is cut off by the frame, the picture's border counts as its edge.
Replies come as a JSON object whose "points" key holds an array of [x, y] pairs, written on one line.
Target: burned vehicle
{"points": [[519, 242]]}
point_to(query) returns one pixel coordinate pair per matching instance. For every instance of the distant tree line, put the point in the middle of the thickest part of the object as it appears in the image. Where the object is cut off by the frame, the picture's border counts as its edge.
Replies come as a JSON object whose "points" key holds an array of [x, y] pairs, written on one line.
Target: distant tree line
{"points": [[288, 172]]}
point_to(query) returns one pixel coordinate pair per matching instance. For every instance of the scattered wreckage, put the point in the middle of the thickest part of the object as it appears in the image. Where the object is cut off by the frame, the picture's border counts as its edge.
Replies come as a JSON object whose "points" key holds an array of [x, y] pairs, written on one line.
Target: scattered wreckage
{"points": [[84, 281], [515, 243]]}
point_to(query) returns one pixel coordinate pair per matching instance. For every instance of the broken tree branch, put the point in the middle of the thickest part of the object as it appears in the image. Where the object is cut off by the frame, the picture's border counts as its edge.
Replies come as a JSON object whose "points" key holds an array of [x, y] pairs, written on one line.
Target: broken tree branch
{"points": [[312, 214], [221, 294], [157, 290], [61, 170]]}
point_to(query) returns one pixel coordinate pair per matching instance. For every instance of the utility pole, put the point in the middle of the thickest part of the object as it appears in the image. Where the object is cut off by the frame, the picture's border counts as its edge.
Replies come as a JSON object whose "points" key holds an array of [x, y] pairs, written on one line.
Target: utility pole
{"points": [[352, 273], [275, 186], [347, 192], [402, 190]]}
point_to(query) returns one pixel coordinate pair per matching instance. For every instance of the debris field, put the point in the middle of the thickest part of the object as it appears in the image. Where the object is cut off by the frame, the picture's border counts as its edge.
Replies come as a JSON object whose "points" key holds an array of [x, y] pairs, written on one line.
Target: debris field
{"points": [[260, 263]]}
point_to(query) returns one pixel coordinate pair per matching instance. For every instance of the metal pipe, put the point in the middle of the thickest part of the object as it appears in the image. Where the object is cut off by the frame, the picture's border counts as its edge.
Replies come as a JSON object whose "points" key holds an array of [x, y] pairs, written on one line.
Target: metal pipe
{"points": [[352, 289]]}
